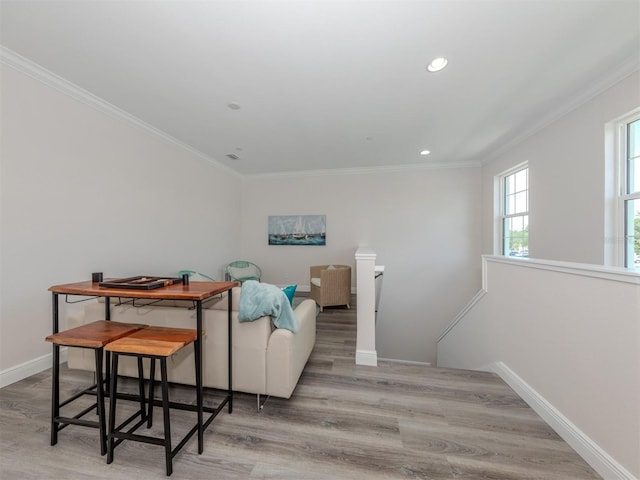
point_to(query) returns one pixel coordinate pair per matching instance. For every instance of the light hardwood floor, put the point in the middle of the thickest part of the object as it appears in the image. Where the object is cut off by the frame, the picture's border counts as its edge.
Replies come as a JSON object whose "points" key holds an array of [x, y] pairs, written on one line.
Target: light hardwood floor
{"points": [[343, 422]]}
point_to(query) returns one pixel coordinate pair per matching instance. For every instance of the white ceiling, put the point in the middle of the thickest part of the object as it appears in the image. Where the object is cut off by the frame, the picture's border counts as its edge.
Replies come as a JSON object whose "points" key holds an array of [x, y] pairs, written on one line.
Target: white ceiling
{"points": [[333, 84]]}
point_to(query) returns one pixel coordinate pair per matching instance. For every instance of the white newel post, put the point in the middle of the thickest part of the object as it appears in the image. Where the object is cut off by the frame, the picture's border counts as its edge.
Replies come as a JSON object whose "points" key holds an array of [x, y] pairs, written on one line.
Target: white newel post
{"points": [[366, 303]]}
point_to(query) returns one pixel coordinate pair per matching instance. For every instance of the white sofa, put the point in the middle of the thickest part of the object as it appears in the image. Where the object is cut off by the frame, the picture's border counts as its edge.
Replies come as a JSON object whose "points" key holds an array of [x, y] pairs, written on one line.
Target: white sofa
{"points": [[266, 360]]}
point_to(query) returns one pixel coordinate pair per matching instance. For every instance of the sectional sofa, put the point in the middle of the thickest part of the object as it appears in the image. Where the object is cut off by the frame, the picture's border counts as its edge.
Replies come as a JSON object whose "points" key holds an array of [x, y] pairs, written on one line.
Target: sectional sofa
{"points": [[266, 360]]}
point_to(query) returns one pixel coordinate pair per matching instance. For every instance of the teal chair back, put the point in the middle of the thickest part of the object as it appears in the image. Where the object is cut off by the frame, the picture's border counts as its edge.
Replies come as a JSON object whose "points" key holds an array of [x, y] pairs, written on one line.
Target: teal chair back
{"points": [[241, 271]]}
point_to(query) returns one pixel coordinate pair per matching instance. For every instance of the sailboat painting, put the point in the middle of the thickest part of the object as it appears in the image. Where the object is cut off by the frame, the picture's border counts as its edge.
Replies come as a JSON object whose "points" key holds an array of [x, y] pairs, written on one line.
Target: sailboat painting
{"points": [[297, 230]]}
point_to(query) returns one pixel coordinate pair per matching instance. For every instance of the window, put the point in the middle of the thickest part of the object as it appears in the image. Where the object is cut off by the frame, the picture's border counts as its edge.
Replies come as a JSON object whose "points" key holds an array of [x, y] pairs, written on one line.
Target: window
{"points": [[514, 212], [629, 203]]}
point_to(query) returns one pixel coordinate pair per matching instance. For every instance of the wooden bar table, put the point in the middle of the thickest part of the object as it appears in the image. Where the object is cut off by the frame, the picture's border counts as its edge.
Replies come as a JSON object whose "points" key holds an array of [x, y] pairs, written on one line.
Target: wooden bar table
{"points": [[193, 291]]}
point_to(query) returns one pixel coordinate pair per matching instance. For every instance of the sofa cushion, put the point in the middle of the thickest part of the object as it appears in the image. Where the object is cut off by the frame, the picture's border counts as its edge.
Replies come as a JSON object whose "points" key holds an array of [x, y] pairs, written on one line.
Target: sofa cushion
{"points": [[290, 291]]}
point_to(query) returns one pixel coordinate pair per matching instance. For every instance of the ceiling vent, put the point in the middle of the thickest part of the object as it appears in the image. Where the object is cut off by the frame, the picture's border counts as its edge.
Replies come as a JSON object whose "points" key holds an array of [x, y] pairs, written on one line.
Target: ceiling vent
{"points": [[232, 156]]}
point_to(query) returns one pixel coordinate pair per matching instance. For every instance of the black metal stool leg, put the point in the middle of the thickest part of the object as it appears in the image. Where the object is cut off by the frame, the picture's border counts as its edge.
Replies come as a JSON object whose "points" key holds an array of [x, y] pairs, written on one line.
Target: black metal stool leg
{"points": [[100, 401], [55, 393], [112, 406], [152, 382], [165, 411], [107, 361], [141, 393]]}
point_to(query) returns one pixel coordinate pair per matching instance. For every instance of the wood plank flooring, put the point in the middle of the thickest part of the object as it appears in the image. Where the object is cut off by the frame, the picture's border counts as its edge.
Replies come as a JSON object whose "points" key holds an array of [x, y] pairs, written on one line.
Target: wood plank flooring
{"points": [[343, 421]]}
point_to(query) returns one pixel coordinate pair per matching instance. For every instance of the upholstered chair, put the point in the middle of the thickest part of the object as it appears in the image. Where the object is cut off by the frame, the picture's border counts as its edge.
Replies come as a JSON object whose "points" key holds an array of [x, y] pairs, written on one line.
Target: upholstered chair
{"points": [[330, 285]]}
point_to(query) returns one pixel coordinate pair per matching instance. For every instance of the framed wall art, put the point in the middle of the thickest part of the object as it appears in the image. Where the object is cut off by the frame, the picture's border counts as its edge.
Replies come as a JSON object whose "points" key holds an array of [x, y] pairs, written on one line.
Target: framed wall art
{"points": [[297, 230]]}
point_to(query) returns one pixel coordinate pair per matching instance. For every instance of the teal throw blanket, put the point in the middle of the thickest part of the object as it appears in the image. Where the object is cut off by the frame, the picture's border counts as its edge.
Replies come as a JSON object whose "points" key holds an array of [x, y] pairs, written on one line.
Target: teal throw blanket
{"points": [[260, 299]]}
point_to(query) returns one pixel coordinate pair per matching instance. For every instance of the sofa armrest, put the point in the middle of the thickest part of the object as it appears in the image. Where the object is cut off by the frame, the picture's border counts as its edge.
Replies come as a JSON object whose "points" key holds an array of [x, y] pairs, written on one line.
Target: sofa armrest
{"points": [[288, 352], [250, 341]]}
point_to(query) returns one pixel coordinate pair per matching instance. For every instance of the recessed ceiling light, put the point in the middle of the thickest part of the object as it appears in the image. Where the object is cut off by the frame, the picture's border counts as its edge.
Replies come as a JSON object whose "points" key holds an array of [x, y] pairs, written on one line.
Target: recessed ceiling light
{"points": [[437, 64], [233, 106], [425, 152]]}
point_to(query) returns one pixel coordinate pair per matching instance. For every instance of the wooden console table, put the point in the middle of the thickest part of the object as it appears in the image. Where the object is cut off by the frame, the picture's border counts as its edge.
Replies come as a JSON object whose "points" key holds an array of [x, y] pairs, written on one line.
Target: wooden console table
{"points": [[194, 291]]}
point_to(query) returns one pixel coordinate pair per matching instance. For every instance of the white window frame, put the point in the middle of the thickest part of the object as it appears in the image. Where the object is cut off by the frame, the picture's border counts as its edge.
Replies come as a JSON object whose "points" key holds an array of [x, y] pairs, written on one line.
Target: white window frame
{"points": [[500, 207], [623, 257]]}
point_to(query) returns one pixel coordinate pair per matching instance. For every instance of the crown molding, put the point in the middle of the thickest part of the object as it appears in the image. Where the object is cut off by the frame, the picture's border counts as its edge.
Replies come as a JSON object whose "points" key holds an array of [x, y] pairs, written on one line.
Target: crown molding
{"points": [[37, 72], [616, 75], [366, 170], [41, 74]]}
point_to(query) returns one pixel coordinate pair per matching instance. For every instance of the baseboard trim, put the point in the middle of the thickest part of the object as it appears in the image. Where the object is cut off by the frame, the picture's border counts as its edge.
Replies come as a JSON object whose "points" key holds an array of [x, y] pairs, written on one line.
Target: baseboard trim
{"points": [[405, 362], [477, 297], [25, 370], [367, 357], [595, 456]]}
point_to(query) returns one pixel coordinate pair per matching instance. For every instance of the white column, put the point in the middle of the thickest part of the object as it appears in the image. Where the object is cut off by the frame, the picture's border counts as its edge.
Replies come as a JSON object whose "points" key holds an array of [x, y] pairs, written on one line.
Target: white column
{"points": [[366, 303]]}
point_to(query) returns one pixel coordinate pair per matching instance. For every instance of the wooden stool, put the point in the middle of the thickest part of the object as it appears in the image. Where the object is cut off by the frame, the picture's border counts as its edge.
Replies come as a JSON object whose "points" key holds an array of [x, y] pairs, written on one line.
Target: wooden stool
{"points": [[155, 343], [94, 336]]}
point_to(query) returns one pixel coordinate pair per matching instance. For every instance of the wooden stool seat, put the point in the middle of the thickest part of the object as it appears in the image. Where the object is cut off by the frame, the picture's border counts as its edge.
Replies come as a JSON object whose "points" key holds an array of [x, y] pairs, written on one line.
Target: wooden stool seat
{"points": [[156, 344], [94, 336], [154, 341]]}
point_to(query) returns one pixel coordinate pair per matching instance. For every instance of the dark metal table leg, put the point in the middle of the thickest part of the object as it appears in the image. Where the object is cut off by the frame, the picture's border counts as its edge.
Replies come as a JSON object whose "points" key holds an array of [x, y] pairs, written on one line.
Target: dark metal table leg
{"points": [[107, 316], [55, 375], [230, 350], [198, 353]]}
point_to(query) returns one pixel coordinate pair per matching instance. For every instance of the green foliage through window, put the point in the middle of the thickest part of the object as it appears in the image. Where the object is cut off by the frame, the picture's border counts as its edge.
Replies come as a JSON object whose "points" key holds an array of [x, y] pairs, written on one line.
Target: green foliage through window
{"points": [[631, 195], [515, 213]]}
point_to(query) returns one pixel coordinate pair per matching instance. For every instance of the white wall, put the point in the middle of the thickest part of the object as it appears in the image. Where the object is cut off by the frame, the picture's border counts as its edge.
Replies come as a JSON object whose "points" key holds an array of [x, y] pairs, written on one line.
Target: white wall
{"points": [[568, 335], [566, 179], [82, 191], [573, 340], [423, 224]]}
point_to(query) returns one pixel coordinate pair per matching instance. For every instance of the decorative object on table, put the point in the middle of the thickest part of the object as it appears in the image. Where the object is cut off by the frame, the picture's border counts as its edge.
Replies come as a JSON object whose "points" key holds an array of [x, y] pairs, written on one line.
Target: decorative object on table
{"points": [[140, 282], [96, 277], [330, 285], [297, 230], [241, 271]]}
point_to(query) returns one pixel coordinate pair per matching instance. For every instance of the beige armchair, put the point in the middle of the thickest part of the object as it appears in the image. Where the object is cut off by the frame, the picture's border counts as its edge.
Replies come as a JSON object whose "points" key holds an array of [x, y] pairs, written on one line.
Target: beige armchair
{"points": [[330, 285]]}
